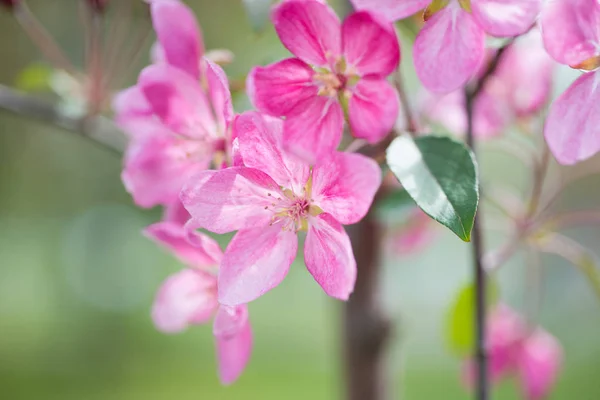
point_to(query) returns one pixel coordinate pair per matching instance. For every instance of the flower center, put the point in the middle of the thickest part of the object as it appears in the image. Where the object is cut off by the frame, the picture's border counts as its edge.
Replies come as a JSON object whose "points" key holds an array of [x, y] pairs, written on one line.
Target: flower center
{"points": [[337, 81], [293, 210]]}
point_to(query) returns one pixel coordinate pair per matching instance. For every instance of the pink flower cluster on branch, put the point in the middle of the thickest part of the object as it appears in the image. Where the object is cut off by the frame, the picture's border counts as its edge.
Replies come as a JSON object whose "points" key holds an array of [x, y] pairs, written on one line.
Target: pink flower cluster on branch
{"points": [[211, 169], [533, 355]]}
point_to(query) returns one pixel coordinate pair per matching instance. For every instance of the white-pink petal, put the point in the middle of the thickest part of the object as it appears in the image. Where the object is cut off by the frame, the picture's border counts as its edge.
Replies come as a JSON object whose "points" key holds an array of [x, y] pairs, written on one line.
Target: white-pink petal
{"points": [[219, 94], [185, 298], [310, 30], [255, 261], [370, 45], [328, 256], [504, 18], [344, 186], [448, 50], [570, 30], [316, 133], [194, 249], [229, 199], [373, 109], [260, 140], [392, 9], [233, 336], [285, 88], [179, 35], [572, 128]]}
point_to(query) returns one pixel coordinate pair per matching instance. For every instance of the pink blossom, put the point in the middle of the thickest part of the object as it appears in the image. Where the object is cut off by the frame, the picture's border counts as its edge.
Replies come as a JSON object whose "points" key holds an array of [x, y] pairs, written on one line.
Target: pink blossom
{"points": [[451, 45], [519, 88], [572, 37], [178, 125], [414, 235], [269, 200], [339, 67], [189, 297], [535, 357]]}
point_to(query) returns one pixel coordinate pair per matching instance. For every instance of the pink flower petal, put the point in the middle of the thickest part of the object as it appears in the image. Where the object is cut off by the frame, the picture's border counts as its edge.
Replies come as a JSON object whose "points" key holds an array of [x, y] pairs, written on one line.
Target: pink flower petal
{"points": [[370, 45], [185, 298], [328, 256], [157, 167], [414, 236], [178, 101], [285, 88], [504, 18], [260, 146], [229, 199], [344, 186], [176, 213], [234, 342], [572, 128], [527, 71], [194, 249], [220, 96], [373, 109], [255, 261], [310, 30], [133, 113], [539, 364], [448, 50], [317, 132], [392, 9], [179, 35], [570, 30]]}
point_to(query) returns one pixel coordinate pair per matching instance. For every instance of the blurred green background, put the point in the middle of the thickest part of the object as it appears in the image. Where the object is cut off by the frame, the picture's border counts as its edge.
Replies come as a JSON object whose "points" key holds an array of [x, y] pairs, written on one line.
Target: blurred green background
{"points": [[77, 279]]}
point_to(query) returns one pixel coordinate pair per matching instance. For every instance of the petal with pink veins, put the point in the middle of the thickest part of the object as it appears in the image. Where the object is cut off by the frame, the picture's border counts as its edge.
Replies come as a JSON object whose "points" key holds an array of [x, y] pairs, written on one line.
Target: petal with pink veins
{"points": [[570, 30], [255, 261], [233, 336], [179, 35], [220, 96], [178, 101], [260, 146], [539, 364], [176, 213], [505, 18], [572, 128], [344, 186], [285, 88], [310, 30], [448, 50], [392, 9], [229, 199], [316, 133], [185, 298], [373, 109], [328, 256], [194, 249], [370, 45]]}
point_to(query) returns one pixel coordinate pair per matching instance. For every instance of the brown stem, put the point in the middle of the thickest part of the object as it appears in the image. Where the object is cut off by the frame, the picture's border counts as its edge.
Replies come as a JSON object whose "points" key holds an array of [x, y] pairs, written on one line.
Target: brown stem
{"points": [[98, 129], [367, 329]]}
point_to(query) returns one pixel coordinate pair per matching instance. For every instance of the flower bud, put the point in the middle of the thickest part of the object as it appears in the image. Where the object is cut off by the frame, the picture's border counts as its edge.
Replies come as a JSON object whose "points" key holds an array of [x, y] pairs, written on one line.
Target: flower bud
{"points": [[10, 4]]}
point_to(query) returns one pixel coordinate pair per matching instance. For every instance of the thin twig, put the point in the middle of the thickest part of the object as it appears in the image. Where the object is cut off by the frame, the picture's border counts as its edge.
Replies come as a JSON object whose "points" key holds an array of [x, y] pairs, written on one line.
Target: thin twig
{"points": [[99, 130]]}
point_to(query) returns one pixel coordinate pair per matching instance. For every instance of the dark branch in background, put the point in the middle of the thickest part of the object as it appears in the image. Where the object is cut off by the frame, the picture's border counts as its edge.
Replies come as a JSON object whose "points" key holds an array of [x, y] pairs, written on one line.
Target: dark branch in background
{"points": [[482, 380], [99, 130]]}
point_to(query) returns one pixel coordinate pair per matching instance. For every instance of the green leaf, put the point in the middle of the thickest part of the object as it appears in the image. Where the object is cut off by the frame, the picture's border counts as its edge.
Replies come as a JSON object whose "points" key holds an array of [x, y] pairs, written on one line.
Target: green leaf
{"points": [[258, 13], [34, 78], [460, 325], [440, 174]]}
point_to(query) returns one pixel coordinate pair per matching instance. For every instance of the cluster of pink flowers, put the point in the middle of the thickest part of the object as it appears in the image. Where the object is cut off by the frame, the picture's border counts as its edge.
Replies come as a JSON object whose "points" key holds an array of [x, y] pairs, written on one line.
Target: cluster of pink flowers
{"points": [[268, 175], [532, 354], [276, 172]]}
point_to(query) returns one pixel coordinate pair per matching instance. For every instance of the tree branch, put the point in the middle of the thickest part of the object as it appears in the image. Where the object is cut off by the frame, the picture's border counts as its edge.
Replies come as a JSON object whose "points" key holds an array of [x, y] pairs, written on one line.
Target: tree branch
{"points": [[98, 129]]}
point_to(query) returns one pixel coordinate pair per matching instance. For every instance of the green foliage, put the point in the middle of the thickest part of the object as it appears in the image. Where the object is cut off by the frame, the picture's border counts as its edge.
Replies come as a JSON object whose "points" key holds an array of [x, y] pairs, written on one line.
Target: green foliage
{"points": [[258, 13], [440, 174], [460, 324], [34, 78]]}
